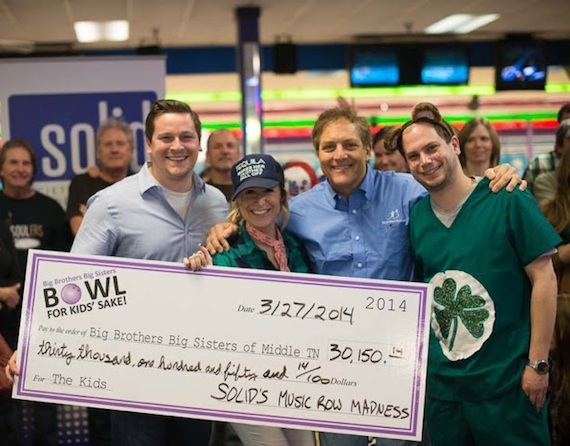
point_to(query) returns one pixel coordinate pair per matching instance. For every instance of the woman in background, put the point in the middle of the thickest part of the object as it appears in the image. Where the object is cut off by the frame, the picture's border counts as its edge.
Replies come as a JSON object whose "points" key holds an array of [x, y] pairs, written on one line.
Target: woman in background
{"points": [[480, 147], [259, 209], [387, 158]]}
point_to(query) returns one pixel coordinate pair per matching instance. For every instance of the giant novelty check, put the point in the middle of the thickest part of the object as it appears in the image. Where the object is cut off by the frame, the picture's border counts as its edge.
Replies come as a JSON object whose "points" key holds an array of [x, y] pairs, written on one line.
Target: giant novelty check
{"points": [[292, 350]]}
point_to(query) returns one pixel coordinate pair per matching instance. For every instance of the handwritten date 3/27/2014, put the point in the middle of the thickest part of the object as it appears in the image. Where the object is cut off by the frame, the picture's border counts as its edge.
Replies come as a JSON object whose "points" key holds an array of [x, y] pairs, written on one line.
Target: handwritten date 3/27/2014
{"points": [[304, 310]]}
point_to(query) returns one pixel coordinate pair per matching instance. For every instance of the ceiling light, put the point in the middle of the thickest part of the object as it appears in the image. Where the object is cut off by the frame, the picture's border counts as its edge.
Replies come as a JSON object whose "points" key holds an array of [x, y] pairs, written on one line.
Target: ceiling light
{"points": [[460, 23], [114, 31], [477, 22]]}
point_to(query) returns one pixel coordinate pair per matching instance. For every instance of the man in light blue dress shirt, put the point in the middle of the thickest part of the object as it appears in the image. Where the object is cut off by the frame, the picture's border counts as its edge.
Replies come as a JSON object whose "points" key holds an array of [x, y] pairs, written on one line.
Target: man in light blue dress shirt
{"points": [[160, 213], [355, 223]]}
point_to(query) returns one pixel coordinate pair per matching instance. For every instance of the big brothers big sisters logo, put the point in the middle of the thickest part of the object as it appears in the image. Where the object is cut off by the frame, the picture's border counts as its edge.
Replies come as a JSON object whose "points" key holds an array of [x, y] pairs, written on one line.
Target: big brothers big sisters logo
{"points": [[62, 127]]}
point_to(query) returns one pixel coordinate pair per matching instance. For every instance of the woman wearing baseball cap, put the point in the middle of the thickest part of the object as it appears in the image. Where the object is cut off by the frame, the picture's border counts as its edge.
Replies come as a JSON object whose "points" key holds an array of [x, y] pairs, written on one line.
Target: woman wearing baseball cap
{"points": [[259, 209]]}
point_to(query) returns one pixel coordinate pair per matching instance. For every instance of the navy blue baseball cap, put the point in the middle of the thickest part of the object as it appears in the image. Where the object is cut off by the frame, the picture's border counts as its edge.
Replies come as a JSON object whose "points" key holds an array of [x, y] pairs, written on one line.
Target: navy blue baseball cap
{"points": [[258, 170]]}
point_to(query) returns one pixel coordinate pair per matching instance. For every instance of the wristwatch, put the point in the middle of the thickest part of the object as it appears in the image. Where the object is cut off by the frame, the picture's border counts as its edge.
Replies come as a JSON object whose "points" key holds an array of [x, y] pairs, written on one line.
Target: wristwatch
{"points": [[541, 367]]}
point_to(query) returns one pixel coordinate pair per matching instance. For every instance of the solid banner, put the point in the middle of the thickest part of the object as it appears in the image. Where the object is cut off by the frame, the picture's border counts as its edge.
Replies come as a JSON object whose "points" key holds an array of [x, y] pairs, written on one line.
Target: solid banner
{"points": [[57, 104], [64, 138]]}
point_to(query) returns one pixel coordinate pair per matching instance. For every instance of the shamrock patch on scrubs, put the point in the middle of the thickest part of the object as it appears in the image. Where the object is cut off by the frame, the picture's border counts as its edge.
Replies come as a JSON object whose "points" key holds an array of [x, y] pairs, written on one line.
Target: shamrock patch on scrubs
{"points": [[463, 314]]}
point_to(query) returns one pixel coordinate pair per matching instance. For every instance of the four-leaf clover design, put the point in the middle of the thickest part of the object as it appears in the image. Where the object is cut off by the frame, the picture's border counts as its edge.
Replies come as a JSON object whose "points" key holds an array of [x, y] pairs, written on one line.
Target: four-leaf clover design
{"points": [[463, 306]]}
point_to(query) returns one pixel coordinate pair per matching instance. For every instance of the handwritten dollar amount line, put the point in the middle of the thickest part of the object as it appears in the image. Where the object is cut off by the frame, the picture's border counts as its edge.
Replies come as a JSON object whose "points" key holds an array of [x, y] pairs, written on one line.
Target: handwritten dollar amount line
{"points": [[230, 371], [363, 355], [304, 311]]}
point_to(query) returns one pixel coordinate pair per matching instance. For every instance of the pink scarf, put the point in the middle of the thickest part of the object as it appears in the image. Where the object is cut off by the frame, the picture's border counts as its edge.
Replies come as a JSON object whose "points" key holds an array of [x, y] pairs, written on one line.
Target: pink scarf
{"points": [[276, 243]]}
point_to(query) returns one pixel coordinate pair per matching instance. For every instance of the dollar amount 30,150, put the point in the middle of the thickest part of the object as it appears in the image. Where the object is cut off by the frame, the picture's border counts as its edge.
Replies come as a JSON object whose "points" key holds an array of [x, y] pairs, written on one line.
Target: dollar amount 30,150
{"points": [[346, 353]]}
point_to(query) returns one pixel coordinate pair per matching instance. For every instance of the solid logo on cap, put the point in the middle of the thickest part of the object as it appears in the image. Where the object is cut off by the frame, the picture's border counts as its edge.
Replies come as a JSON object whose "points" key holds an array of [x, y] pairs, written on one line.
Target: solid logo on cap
{"points": [[250, 168]]}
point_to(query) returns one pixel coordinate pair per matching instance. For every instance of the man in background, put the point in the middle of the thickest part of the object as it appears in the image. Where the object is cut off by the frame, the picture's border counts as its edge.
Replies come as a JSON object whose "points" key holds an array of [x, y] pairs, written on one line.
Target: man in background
{"points": [[222, 153], [546, 162], [114, 150], [544, 187]]}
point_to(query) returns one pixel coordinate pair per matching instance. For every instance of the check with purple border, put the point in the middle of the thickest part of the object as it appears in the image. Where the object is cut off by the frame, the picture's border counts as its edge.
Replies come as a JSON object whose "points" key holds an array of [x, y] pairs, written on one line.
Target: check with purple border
{"points": [[293, 350]]}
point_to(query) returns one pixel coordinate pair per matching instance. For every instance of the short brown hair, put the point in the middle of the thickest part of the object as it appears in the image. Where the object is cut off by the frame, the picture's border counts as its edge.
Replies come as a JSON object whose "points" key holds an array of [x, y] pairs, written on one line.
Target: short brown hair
{"points": [[339, 114], [163, 106]]}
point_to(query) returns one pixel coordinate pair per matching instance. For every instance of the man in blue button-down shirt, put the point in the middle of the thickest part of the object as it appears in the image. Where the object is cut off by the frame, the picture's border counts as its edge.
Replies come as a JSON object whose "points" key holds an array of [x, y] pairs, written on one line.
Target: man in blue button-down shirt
{"points": [[160, 213], [355, 223]]}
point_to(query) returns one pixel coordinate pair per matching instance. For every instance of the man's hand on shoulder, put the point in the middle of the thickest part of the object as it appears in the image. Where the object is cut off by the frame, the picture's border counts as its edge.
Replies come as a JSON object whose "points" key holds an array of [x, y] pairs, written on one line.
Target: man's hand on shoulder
{"points": [[504, 175], [217, 240]]}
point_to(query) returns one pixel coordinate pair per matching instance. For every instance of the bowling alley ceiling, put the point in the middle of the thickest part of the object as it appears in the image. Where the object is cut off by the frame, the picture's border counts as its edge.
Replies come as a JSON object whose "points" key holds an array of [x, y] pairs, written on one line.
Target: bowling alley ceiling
{"points": [[26, 25]]}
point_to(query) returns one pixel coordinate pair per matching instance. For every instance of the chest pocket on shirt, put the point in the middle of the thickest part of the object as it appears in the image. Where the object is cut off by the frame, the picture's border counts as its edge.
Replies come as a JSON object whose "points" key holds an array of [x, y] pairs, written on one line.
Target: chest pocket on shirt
{"points": [[332, 257], [394, 249]]}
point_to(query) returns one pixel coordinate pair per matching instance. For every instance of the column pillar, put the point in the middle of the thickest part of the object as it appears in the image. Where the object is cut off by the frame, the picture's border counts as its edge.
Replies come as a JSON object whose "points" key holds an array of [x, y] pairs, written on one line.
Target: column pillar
{"points": [[249, 66]]}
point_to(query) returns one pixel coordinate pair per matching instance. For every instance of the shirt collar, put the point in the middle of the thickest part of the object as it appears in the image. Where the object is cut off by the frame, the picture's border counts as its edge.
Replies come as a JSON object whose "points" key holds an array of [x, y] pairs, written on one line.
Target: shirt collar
{"points": [[147, 181], [365, 189], [367, 186]]}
